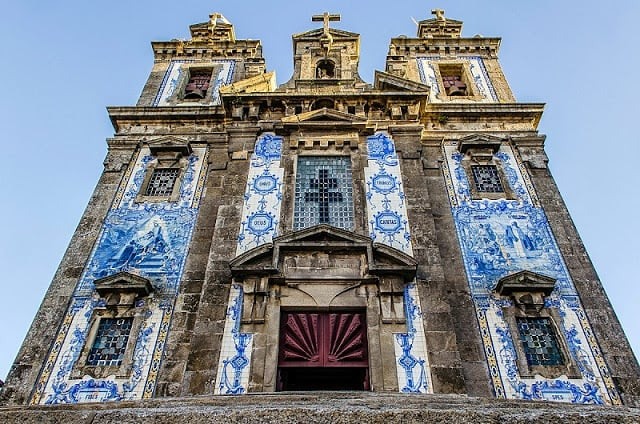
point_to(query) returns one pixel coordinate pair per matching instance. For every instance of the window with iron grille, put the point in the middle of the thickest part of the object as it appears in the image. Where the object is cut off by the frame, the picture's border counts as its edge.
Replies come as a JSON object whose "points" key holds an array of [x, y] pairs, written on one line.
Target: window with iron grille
{"points": [[323, 192], [162, 181], [539, 341], [486, 179], [110, 343]]}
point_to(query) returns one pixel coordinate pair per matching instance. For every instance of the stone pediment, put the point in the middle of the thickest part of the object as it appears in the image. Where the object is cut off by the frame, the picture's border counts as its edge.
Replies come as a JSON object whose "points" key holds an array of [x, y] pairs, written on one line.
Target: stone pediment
{"points": [[324, 117], [479, 141], [319, 32], [122, 289], [384, 81], [435, 22], [527, 289], [439, 27], [525, 281], [123, 282], [169, 144], [324, 252]]}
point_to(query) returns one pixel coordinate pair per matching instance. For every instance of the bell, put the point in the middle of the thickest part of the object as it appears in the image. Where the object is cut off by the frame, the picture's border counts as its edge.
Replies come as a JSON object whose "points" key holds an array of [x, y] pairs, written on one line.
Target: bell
{"points": [[455, 90], [195, 94]]}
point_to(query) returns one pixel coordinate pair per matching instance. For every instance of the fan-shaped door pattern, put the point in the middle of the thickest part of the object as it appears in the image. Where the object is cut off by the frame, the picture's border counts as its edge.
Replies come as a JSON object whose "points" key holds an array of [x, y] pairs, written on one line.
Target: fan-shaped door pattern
{"points": [[323, 340]]}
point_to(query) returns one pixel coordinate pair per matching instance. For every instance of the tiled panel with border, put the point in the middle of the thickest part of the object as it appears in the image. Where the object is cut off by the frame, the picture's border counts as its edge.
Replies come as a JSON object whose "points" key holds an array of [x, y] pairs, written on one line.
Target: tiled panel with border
{"points": [[499, 238], [149, 239]]}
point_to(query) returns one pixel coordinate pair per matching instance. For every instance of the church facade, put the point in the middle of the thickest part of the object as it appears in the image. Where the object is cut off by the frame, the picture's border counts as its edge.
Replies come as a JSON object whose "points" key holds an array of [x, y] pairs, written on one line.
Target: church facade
{"points": [[326, 234]]}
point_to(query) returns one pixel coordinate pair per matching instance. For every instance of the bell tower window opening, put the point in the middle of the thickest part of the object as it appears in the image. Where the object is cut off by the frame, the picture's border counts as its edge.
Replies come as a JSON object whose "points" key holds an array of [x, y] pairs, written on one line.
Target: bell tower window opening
{"points": [[198, 84], [453, 80], [323, 103], [323, 192], [325, 69]]}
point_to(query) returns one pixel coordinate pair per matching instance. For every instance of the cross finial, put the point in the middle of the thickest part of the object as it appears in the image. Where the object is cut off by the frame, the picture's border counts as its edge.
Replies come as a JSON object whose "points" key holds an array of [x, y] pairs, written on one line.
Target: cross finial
{"points": [[439, 14], [326, 17]]}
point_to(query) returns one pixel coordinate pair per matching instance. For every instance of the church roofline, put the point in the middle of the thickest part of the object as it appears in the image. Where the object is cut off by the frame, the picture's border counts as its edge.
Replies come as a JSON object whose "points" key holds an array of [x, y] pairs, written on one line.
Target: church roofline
{"points": [[319, 32], [484, 46]]}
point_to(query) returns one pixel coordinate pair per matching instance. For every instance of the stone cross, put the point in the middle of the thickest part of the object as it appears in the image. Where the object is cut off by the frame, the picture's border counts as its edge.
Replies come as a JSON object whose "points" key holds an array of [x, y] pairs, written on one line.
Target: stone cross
{"points": [[322, 195], [325, 18], [439, 14]]}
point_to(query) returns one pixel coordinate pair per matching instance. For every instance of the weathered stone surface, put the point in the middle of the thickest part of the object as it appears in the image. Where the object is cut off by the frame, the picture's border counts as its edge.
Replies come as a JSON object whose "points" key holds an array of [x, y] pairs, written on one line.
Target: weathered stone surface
{"points": [[326, 269], [323, 407]]}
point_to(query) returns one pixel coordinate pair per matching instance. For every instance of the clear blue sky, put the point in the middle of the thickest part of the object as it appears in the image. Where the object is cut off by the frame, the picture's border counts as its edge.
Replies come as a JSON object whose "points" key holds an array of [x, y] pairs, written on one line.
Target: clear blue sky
{"points": [[63, 62]]}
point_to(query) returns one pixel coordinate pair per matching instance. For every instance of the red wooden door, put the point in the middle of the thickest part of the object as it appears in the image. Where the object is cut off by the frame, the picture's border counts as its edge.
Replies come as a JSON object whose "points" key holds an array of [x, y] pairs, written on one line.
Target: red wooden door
{"points": [[323, 340]]}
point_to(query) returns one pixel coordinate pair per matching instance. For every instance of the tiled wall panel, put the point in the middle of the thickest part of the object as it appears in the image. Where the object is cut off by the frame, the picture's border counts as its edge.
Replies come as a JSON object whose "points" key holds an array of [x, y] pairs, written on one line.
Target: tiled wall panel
{"points": [[502, 237], [147, 239]]}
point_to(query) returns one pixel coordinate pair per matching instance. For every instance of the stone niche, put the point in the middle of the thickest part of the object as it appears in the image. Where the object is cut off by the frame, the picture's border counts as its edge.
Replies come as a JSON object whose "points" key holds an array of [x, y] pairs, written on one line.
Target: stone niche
{"points": [[323, 270]]}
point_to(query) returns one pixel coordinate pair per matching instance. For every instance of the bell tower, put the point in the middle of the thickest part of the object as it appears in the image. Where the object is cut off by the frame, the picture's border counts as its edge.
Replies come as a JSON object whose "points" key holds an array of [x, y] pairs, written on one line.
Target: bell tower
{"points": [[325, 59]]}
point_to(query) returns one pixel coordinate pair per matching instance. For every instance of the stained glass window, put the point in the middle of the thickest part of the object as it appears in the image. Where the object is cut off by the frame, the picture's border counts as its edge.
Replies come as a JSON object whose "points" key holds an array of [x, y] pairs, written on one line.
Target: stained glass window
{"points": [[323, 192], [539, 341], [162, 181], [110, 343], [486, 179]]}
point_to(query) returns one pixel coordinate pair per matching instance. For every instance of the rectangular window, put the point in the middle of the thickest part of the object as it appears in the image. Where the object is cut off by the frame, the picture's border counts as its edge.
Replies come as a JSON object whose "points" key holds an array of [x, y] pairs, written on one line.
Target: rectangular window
{"points": [[110, 343], [323, 192], [162, 181], [453, 80], [198, 84], [539, 341], [486, 179]]}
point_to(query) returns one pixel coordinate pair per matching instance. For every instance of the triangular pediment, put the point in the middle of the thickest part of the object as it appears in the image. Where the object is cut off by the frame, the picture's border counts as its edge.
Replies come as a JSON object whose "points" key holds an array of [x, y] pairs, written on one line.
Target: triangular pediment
{"points": [[123, 282], [169, 144], [436, 22], [439, 27], [324, 116], [480, 141], [319, 32], [322, 233], [268, 259], [525, 281], [388, 82]]}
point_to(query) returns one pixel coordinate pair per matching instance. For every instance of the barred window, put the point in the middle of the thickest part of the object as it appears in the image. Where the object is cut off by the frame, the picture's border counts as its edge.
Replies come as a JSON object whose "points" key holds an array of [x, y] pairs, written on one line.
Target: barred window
{"points": [[110, 343], [323, 192], [539, 341], [162, 181], [486, 179]]}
